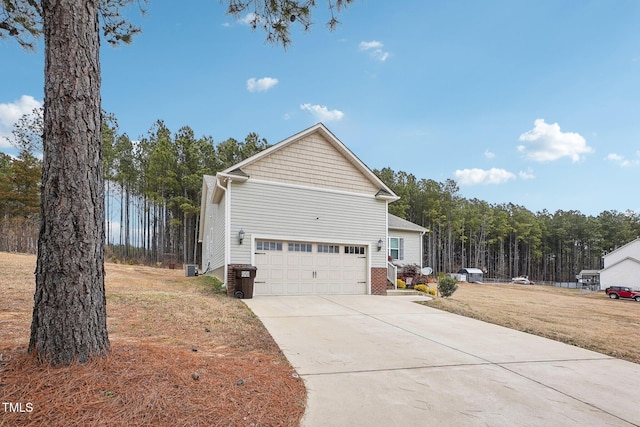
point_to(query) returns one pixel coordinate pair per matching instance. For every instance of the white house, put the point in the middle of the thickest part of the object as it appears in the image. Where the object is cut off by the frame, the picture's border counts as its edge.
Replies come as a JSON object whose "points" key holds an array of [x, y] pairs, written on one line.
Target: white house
{"points": [[309, 215], [622, 266]]}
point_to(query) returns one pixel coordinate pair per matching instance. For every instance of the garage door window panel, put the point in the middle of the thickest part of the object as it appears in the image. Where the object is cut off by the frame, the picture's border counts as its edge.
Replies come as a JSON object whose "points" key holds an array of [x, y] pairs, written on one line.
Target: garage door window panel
{"points": [[354, 250], [328, 249], [268, 246], [299, 247]]}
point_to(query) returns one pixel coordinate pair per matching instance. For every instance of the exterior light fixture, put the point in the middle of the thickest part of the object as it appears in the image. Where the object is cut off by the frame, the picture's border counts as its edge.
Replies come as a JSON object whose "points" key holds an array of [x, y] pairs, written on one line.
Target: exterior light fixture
{"points": [[241, 235], [379, 245]]}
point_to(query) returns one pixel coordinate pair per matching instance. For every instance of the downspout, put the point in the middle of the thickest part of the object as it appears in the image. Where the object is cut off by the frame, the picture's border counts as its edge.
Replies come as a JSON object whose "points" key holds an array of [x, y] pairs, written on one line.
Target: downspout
{"points": [[227, 229], [422, 233], [386, 248]]}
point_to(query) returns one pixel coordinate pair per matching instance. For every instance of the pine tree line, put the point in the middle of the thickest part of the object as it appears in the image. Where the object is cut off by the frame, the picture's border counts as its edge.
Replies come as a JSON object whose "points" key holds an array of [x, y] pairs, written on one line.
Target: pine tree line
{"points": [[506, 240], [153, 185], [152, 188], [19, 202]]}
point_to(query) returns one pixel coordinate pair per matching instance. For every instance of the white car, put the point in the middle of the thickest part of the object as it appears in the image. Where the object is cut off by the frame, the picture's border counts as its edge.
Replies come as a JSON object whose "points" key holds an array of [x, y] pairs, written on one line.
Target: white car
{"points": [[521, 280]]}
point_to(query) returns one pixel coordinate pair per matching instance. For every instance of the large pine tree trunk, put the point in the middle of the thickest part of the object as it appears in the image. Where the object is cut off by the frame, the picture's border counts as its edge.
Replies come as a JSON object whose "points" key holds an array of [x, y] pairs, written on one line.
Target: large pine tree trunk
{"points": [[69, 317]]}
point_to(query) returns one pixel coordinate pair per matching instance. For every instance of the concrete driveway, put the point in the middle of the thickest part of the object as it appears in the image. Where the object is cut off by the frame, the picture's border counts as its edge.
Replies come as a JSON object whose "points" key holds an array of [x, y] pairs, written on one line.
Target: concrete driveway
{"points": [[386, 361]]}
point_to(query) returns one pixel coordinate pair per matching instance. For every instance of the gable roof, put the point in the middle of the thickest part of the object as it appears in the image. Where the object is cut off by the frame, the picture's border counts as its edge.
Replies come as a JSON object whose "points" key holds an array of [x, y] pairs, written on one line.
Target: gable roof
{"points": [[397, 223], [471, 271], [623, 260], [622, 247], [384, 192]]}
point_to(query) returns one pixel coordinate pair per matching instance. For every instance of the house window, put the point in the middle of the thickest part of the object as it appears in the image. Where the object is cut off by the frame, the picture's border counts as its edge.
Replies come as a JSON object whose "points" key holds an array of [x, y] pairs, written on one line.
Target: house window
{"points": [[268, 246], [396, 248], [357, 250], [328, 249], [299, 247]]}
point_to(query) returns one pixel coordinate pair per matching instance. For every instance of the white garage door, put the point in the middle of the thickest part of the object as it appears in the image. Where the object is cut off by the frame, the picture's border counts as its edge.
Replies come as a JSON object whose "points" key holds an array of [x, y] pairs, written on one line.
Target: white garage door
{"points": [[302, 268]]}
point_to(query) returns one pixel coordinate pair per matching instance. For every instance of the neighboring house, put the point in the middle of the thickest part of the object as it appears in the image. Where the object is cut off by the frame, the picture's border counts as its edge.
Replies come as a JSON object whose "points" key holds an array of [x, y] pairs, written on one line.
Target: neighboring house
{"points": [[589, 278], [309, 215], [622, 267]]}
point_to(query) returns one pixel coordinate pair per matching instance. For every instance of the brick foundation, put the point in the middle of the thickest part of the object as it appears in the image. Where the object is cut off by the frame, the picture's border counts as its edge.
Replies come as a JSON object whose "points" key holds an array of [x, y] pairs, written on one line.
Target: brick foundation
{"points": [[378, 281]]}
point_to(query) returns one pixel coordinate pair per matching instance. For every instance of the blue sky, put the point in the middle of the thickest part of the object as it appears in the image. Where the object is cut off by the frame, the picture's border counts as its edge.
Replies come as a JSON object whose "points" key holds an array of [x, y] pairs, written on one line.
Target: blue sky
{"points": [[530, 102]]}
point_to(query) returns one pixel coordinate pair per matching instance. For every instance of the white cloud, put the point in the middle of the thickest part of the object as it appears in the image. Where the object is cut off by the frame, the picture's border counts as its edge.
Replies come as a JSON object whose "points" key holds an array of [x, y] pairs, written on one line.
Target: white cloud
{"points": [[480, 176], [374, 48], [250, 19], [322, 113], [12, 112], [547, 143], [261, 85], [528, 174], [622, 161], [370, 45], [488, 154], [615, 158], [380, 55]]}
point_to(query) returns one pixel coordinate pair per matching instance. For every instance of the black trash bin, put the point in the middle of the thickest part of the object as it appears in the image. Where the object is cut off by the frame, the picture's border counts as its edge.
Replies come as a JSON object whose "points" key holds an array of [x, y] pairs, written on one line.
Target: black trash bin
{"points": [[244, 282]]}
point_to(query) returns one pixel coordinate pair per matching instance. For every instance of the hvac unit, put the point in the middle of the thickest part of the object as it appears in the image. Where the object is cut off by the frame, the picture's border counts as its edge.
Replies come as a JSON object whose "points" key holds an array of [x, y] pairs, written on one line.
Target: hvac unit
{"points": [[190, 270]]}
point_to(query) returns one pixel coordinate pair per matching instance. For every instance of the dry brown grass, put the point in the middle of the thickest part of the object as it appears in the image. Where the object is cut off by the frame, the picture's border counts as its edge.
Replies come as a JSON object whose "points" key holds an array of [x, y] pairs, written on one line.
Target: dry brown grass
{"points": [[163, 328], [584, 319]]}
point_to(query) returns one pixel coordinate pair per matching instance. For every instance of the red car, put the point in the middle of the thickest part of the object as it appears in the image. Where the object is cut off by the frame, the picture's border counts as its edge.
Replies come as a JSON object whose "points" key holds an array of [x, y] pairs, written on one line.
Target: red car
{"points": [[616, 292]]}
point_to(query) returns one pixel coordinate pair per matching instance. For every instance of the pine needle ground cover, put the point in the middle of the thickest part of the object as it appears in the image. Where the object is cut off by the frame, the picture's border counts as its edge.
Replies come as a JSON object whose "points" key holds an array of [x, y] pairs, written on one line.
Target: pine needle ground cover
{"points": [[181, 354], [585, 319]]}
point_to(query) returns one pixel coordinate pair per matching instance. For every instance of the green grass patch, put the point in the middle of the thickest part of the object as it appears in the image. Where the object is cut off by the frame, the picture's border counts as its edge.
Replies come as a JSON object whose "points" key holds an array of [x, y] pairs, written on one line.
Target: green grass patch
{"points": [[210, 284]]}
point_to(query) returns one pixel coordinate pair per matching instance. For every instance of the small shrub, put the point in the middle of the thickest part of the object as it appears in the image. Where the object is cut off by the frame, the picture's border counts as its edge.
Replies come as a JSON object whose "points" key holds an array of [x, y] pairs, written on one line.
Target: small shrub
{"points": [[432, 291], [401, 284], [447, 286], [422, 288], [412, 270]]}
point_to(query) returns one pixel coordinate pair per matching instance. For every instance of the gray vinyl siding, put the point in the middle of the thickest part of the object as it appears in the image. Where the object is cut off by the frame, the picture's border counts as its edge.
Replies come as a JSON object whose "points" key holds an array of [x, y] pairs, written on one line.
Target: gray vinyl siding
{"points": [[213, 246], [306, 214], [219, 274], [412, 242], [219, 235]]}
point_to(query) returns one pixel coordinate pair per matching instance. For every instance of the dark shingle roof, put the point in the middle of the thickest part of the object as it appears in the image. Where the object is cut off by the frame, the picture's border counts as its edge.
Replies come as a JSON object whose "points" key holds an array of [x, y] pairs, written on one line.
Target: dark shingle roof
{"points": [[397, 223]]}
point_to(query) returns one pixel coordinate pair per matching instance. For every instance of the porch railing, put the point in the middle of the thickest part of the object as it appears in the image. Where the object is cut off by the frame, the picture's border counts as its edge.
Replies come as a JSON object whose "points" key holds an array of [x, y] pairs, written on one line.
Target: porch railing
{"points": [[392, 274]]}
